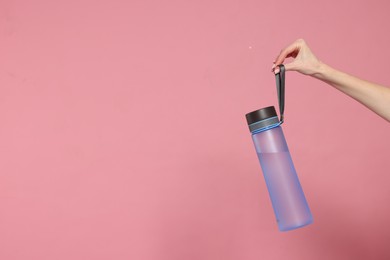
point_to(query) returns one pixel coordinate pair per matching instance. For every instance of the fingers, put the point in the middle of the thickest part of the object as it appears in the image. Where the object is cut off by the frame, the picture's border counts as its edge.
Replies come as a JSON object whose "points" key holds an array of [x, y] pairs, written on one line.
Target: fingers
{"points": [[288, 66], [290, 51]]}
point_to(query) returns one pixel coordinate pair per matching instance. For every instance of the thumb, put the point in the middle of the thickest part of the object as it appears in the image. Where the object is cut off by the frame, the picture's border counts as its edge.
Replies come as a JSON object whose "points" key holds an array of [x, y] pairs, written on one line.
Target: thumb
{"points": [[291, 66], [288, 66]]}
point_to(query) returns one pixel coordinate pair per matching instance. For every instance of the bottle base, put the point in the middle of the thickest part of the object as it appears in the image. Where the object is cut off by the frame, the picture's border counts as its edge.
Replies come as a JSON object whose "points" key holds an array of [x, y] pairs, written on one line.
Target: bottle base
{"points": [[283, 229]]}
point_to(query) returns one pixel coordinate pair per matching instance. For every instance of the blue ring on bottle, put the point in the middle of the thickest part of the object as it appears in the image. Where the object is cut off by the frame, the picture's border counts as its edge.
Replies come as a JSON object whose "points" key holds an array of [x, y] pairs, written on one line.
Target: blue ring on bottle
{"points": [[264, 125]]}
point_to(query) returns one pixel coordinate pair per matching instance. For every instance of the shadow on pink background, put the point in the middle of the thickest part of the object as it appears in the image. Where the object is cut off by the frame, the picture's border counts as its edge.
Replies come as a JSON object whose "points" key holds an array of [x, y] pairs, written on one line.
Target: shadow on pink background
{"points": [[123, 132]]}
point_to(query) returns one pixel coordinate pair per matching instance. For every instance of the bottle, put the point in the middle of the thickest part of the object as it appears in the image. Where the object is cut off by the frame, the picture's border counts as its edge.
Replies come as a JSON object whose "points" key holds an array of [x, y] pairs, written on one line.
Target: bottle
{"points": [[288, 200]]}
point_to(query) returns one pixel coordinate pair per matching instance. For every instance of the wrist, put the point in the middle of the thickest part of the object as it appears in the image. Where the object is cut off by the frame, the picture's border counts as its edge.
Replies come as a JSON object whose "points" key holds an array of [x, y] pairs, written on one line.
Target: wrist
{"points": [[321, 71]]}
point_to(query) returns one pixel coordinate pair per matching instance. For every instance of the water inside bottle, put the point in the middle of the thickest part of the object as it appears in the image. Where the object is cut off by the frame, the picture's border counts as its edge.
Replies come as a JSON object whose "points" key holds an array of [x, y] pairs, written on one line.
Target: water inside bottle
{"points": [[288, 200]]}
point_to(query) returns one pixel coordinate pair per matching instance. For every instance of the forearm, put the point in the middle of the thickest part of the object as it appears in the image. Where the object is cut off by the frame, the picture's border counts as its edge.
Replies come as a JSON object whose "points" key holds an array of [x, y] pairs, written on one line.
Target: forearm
{"points": [[373, 96]]}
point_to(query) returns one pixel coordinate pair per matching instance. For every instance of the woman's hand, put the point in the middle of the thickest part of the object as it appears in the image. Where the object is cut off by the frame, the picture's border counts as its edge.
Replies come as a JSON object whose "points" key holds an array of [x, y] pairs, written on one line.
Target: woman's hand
{"points": [[304, 62]]}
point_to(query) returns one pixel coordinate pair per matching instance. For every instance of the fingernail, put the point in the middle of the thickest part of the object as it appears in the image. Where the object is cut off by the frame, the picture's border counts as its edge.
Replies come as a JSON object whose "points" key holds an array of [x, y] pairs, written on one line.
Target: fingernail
{"points": [[273, 67], [277, 70]]}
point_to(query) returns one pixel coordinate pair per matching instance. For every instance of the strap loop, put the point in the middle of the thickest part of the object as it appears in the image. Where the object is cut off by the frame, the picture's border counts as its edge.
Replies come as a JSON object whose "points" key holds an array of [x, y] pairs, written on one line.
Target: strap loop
{"points": [[280, 80]]}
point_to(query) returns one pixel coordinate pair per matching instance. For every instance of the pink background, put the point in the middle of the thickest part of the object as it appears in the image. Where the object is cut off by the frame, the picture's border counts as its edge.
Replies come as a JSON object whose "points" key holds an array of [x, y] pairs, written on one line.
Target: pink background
{"points": [[123, 132]]}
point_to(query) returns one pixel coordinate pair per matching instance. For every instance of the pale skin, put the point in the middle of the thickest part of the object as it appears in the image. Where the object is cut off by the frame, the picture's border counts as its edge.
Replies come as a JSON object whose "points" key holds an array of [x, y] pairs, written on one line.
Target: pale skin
{"points": [[371, 95]]}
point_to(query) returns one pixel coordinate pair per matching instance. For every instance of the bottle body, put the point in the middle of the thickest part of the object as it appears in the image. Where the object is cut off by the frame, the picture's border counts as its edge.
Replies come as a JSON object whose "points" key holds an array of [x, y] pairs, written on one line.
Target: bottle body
{"points": [[285, 191]]}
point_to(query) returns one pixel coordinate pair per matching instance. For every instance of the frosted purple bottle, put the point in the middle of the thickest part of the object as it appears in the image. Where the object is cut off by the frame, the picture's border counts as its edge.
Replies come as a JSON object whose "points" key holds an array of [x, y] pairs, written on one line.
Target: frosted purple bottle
{"points": [[287, 197]]}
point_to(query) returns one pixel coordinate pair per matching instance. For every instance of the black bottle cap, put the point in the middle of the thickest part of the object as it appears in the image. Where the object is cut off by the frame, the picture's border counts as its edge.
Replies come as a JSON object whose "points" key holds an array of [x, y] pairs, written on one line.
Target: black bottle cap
{"points": [[260, 114]]}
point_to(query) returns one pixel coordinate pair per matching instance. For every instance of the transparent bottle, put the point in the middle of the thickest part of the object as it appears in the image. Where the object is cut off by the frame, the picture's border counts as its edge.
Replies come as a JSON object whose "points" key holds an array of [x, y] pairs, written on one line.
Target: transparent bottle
{"points": [[287, 197]]}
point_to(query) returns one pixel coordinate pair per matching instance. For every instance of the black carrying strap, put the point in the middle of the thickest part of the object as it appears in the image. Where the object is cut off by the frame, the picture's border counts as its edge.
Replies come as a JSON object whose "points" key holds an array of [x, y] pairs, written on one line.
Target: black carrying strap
{"points": [[280, 80]]}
